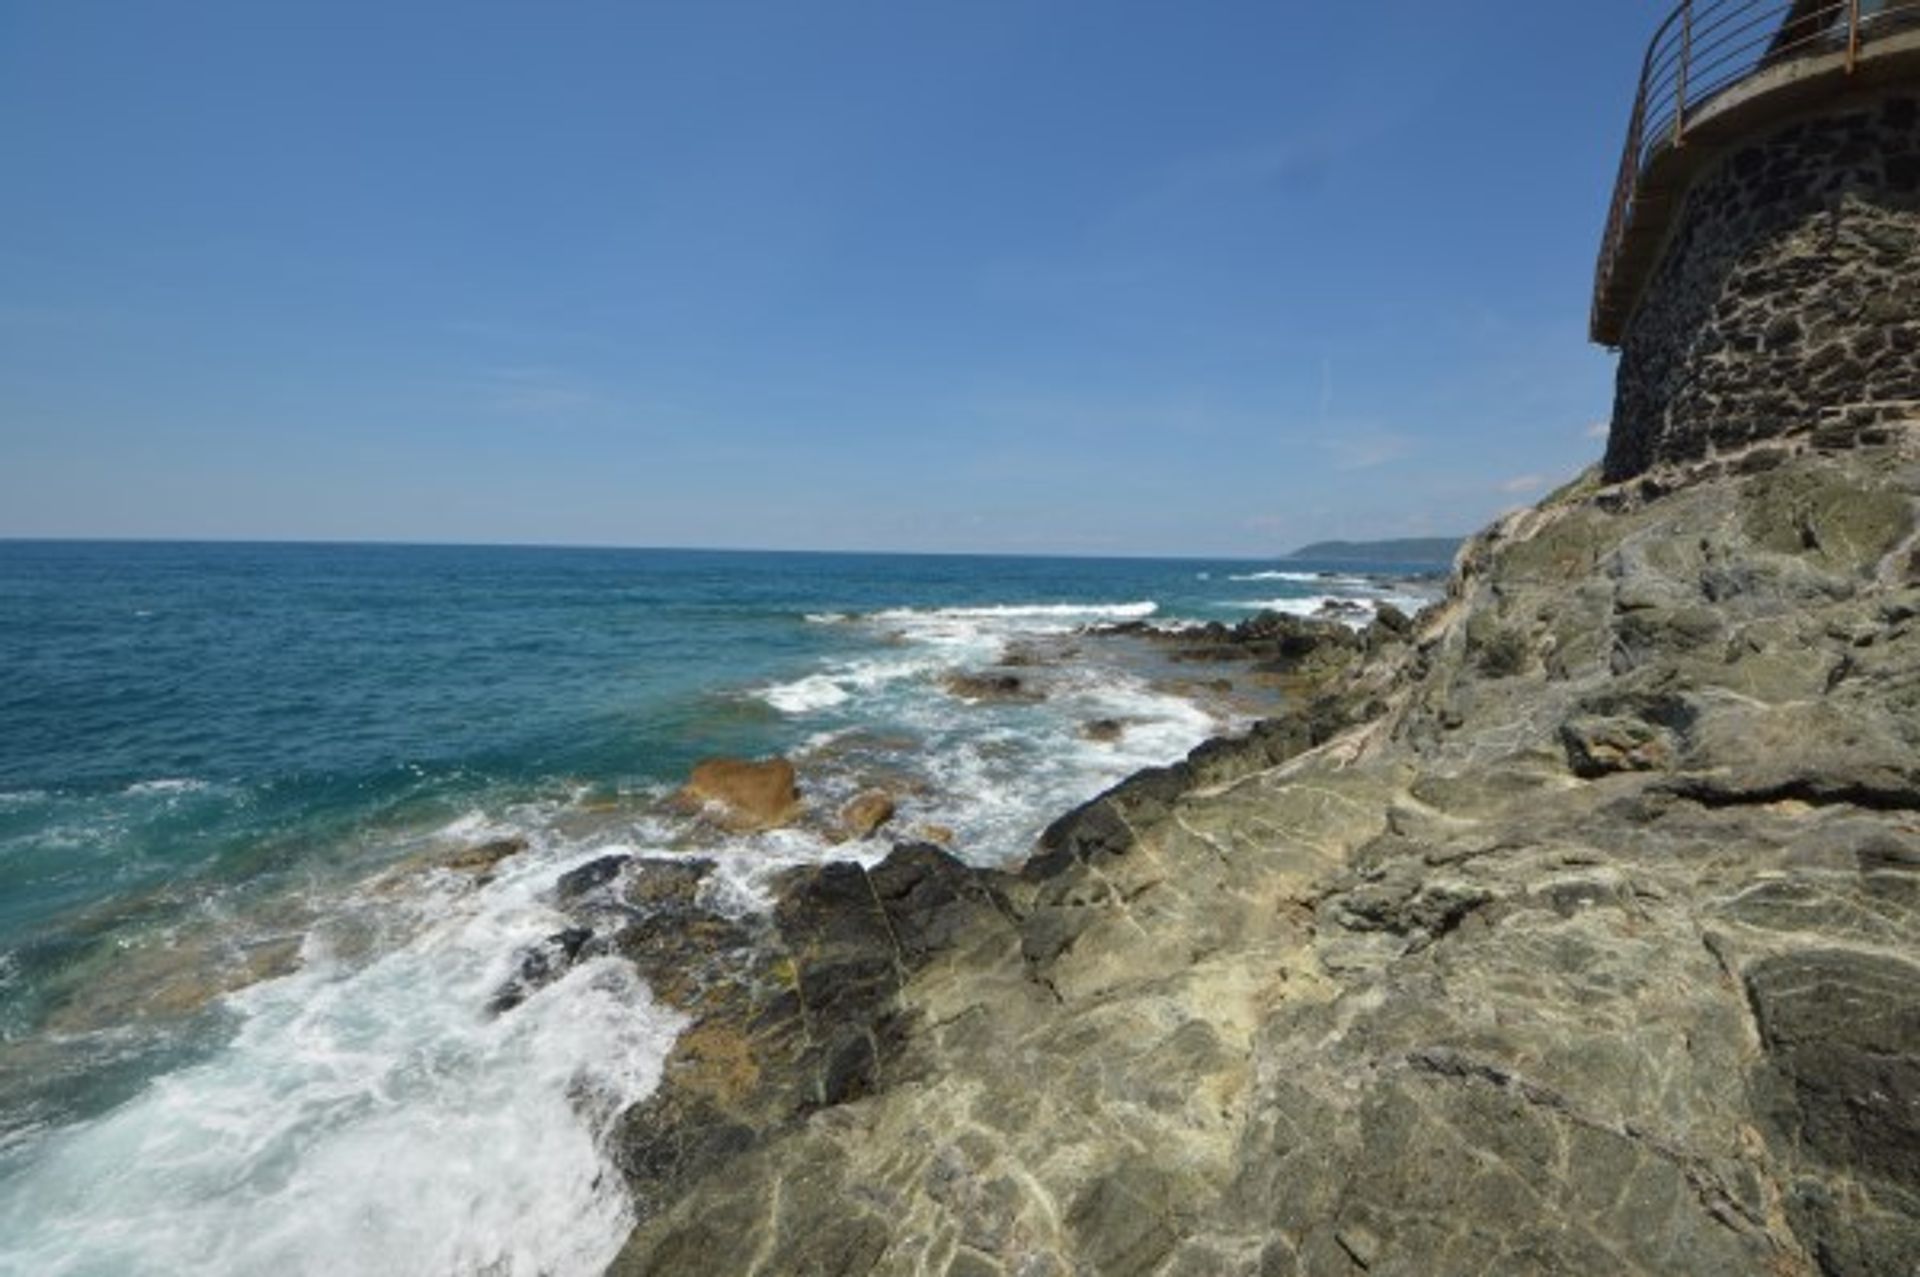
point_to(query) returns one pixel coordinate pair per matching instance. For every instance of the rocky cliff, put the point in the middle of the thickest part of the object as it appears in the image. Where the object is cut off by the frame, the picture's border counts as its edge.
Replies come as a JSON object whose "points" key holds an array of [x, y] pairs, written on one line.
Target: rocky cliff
{"points": [[1574, 928]]}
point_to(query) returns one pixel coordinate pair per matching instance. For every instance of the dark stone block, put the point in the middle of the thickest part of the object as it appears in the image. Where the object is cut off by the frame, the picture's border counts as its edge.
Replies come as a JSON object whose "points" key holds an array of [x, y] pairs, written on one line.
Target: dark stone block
{"points": [[595, 873], [1903, 174], [931, 900], [850, 1068], [1842, 1032]]}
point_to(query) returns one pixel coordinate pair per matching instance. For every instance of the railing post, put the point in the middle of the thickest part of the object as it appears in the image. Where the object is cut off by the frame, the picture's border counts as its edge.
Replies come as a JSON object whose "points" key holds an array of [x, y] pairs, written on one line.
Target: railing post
{"points": [[1853, 34], [1680, 81]]}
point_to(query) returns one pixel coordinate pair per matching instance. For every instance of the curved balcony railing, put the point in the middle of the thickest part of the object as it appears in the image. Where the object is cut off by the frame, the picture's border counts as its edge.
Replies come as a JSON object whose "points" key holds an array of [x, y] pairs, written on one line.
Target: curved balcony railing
{"points": [[1704, 49]]}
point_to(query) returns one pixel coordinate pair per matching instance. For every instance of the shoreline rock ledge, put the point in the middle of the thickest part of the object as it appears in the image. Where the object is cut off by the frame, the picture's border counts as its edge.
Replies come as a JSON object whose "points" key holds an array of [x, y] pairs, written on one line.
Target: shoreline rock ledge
{"points": [[1574, 929]]}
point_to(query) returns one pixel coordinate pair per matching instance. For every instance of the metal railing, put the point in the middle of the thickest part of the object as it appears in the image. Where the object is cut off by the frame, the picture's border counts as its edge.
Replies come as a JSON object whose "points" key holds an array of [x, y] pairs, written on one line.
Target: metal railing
{"points": [[1706, 47]]}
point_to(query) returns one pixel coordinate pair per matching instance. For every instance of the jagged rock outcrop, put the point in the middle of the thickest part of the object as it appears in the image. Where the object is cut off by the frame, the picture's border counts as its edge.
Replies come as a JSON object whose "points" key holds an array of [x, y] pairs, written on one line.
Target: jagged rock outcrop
{"points": [[1574, 928]]}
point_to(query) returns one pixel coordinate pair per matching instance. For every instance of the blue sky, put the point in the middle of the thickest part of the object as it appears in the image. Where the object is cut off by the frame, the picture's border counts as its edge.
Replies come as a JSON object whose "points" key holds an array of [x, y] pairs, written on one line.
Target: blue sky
{"points": [[1035, 276]]}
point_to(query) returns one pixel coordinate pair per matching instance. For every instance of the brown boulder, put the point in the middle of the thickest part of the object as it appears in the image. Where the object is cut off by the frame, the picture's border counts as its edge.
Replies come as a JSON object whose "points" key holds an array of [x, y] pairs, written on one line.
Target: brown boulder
{"points": [[863, 816], [742, 796]]}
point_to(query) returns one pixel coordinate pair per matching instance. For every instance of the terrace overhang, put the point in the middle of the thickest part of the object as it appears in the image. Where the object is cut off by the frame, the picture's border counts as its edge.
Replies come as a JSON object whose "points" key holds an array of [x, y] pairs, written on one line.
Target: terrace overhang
{"points": [[1718, 72]]}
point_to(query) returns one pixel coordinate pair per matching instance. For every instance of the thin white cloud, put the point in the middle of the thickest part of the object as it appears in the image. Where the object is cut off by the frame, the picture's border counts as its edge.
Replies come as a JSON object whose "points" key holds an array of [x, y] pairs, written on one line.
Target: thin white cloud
{"points": [[1597, 429], [1199, 182], [1366, 449], [537, 392], [1522, 483]]}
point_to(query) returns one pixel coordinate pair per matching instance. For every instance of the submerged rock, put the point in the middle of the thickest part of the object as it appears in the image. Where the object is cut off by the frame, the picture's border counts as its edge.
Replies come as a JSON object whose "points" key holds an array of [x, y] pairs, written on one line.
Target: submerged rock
{"points": [[991, 687], [1032, 652], [479, 860], [168, 978]]}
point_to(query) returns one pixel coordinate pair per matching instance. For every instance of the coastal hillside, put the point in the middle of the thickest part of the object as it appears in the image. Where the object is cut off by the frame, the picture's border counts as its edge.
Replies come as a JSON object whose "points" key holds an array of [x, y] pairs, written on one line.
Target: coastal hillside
{"points": [[1569, 927], [1402, 550]]}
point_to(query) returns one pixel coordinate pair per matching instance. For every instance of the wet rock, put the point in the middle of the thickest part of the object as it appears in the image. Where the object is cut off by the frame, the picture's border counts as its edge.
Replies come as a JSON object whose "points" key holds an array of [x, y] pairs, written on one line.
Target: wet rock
{"points": [[742, 796], [540, 966], [481, 859], [595, 873], [666, 884], [864, 814], [1103, 730], [991, 687], [1029, 653]]}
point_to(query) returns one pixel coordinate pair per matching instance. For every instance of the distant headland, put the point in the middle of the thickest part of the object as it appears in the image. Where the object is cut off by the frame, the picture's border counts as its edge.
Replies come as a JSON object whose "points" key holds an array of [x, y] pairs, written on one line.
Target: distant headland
{"points": [[1439, 550]]}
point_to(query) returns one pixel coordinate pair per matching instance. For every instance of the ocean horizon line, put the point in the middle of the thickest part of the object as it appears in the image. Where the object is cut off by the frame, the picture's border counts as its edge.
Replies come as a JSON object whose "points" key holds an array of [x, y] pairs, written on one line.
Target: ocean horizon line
{"points": [[381, 543]]}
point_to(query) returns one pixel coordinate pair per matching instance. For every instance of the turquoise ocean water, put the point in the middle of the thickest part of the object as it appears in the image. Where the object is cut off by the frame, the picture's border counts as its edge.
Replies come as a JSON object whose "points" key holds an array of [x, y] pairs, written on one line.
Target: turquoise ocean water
{"points": [[242, 1019]]}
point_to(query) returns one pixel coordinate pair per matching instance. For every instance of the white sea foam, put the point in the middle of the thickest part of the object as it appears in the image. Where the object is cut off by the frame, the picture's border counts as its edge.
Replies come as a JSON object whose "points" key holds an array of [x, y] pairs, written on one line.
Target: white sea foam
{"points": [[1024, 611], [1275, 576], [843, 681], [816, 691], [1325, 580], [992, 773], [469, 825], [979, 628], [996, 787], [372, 1120], [1305, 605], [825, 618], [165, 785]]}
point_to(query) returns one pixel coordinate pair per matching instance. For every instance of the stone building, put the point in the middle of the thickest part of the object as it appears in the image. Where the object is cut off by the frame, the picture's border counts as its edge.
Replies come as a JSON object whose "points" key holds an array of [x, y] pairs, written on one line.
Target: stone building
{"points": [[1760, 271]]}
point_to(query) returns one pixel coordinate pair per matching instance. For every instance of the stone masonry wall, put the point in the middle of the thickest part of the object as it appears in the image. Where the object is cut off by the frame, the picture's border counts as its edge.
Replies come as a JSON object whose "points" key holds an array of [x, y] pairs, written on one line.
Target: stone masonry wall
{"points": [[1788, 295]]}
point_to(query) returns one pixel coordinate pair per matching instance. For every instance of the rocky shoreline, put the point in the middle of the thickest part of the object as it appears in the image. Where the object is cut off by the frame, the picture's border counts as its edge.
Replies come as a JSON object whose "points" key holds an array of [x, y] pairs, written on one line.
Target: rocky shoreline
{"points": [[1569, 927]]}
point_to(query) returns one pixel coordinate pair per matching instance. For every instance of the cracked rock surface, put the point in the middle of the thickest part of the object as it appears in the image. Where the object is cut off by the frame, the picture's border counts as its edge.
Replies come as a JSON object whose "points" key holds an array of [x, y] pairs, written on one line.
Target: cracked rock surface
{"points": [[1574, 929]]}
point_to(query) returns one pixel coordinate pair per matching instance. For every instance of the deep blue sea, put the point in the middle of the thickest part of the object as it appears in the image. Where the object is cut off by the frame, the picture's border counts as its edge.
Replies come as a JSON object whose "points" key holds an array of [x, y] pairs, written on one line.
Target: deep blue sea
{"points": [[242, 1022]]}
